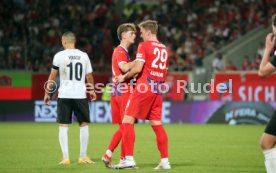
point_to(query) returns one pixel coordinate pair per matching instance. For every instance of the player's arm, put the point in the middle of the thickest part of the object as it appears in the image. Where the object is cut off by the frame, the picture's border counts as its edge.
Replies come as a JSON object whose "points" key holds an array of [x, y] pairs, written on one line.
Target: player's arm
{"points": [[125, 67], [90, 86], [50, 84], [137, 68], [267, 67]]}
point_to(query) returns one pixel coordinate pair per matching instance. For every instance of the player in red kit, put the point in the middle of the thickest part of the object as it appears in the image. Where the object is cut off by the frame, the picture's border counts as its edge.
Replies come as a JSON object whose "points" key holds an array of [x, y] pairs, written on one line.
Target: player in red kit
{"points": [[120, 93], [145, 102]]}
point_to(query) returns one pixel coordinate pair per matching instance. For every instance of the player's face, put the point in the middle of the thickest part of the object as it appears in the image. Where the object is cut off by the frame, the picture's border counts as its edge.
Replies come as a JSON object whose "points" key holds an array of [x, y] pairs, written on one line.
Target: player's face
{"points": [[130, 36], [144, 34]]}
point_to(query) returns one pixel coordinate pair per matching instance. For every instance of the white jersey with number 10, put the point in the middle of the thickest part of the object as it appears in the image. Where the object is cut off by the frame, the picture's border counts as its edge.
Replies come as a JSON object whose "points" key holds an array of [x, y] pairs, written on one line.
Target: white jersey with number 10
{"points": [[73, 65]]}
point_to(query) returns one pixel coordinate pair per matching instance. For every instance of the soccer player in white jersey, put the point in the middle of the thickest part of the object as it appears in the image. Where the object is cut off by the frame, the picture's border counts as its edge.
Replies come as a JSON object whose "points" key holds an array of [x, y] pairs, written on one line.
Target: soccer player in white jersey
{"points": [[73, 67]]}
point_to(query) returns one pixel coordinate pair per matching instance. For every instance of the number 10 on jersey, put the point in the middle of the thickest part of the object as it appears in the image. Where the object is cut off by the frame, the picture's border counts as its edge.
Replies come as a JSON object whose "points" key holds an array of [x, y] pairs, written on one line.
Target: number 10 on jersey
{"points": [[75, 70]]}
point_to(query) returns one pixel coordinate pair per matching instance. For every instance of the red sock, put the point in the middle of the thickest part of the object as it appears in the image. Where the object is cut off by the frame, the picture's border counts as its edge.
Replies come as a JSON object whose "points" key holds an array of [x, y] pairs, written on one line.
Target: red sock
{"points": [[122, 144], [162, 140], [116, 138], [128, 138]]}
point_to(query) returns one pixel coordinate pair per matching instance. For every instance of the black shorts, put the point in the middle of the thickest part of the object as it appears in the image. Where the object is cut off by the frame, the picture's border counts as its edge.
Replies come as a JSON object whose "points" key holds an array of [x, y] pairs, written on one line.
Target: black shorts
{"points": [[66, 107], [271, 126]]}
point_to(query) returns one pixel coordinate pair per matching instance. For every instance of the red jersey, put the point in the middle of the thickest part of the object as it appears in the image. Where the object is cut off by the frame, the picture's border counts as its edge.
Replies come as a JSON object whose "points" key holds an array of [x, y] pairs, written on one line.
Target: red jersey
{"points": [[156, 58], [120, 55]]}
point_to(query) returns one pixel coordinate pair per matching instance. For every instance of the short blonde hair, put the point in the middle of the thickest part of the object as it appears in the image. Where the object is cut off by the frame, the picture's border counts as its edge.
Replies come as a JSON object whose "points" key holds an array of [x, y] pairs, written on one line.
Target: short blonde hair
{"points": [[150, 25], [70, 36], [124, 28]]}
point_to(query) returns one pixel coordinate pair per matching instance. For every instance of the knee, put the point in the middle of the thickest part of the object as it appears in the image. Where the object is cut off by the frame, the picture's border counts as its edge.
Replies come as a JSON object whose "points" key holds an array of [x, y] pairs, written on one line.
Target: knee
{"points": [[155, 123], [82, 124], [263, 145], [266, 144], [128, 120]]}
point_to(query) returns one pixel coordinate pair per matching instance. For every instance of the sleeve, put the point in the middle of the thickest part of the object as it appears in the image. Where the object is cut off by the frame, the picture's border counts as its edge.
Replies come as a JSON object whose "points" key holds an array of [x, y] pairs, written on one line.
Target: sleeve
{"points": [[140, 56], [56, 62], [121, 57], [88, 66], [273, 61]]}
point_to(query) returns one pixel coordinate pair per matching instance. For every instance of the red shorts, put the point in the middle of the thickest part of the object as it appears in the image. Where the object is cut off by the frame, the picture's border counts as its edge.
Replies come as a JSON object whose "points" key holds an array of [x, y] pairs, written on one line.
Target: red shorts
{"points": [[144, 106], [118, 105]]}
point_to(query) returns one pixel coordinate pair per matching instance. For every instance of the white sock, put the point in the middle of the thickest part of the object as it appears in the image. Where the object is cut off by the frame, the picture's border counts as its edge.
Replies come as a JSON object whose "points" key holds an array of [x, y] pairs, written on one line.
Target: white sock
{"points": [[63, 141], [130, 158], [108, 153], [164, 160], [270, 160], [84, 137]]}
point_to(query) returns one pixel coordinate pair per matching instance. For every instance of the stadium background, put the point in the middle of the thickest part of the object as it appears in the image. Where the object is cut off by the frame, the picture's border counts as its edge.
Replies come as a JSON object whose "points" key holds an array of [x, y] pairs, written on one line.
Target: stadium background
{"points": [[196, 32]]}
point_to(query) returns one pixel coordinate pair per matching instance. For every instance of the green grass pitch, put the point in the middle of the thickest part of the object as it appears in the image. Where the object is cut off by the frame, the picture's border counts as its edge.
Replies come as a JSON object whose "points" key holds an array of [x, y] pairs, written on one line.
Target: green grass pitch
{"points": [[34, 148]]}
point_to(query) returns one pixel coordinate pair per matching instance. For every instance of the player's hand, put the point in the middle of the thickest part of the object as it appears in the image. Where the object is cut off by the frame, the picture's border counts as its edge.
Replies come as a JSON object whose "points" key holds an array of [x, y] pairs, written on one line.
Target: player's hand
{"points": [[119, 79], [47, 99], [92, 95], [270, 42]]}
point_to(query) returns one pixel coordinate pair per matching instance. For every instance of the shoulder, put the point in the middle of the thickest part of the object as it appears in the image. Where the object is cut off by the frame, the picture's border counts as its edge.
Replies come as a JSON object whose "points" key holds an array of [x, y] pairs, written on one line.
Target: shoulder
{"points": [[152, 44], [59, 54], [116, 49], [119, 50], [65, 52], [81, 52], [158, 44], [143, 44]]}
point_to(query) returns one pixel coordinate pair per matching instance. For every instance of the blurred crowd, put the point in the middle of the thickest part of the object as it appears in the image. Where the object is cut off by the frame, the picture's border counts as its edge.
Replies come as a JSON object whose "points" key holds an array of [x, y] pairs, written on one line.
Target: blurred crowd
{"points": [[30, 30], [247, 63]]}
